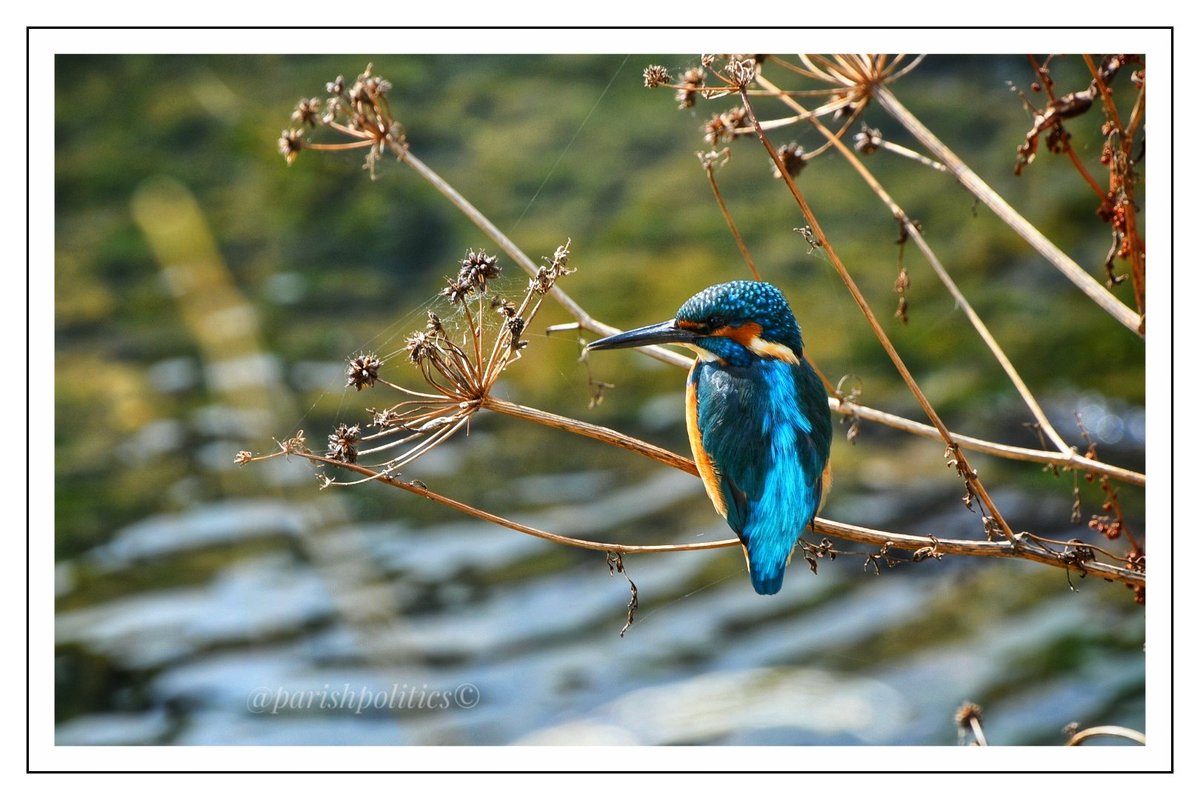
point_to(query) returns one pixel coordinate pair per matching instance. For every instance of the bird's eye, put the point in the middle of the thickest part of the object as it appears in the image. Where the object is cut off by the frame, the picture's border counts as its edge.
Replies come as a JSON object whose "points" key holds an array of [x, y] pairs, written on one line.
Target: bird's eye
{"points": [[715, 322]]}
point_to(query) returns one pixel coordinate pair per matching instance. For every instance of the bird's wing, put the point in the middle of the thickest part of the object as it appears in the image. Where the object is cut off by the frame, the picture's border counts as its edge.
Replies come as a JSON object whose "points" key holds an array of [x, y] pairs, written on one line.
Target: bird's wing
{"points": [[766, 437], [727, 445]]}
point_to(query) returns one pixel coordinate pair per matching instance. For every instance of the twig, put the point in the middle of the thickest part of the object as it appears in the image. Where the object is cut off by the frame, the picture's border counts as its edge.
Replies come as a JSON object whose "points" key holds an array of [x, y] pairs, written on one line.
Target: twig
{"points": [[1043, 73], [855, 533], [976, 185], [597, 432], [495, 234], [1106, 730], [953, 450], [915, 234], [737, 236], [1070, 460]]}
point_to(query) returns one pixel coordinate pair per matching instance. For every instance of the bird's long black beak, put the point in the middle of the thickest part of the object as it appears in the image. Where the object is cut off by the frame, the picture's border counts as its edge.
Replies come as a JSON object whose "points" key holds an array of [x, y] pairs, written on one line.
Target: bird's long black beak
{"points": [[662, 333]]}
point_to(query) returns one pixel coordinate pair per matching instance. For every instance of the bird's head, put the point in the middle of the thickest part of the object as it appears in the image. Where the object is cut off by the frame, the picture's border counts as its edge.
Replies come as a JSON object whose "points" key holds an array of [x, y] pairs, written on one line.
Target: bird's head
{"points": [[735, 323]]}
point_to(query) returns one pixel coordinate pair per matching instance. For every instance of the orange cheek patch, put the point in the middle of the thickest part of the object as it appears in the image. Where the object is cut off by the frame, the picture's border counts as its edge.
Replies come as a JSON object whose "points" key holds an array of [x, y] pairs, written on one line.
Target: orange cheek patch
{"points": [[749, 336], [744, 334]]}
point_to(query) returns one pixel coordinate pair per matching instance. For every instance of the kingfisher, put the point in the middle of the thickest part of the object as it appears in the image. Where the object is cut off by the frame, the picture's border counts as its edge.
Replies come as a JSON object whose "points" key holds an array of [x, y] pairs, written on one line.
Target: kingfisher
{"points": [[757, 416]]}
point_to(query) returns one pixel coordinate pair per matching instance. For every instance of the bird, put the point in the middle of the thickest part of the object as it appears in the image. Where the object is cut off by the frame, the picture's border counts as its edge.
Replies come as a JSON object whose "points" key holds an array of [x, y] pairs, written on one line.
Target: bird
{"points": [[757, 416]]}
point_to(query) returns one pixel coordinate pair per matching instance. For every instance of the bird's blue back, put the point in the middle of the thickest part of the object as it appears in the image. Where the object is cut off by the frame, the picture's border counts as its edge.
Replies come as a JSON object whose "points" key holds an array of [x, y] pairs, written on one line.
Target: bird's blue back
{"points": [[766, 431]]}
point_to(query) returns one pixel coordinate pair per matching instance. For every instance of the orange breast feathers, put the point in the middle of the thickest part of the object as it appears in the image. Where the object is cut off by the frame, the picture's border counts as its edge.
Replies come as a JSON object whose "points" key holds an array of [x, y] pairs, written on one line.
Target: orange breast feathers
{"points": [[708, 472]]}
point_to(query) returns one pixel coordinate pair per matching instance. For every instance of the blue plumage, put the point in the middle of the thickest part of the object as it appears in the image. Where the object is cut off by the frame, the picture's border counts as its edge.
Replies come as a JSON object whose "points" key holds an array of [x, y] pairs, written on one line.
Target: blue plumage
{"points": [[758, 417]]}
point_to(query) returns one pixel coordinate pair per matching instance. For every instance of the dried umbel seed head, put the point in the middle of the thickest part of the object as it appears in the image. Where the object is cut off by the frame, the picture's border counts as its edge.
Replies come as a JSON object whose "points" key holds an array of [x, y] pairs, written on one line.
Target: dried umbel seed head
{"points": [[792, 156], [548, 276], [337, 86], [307, 112], [655, 75], [456, 290], [363, 371], [505, 308], [291, 142], [741, 72], [868, 140], [966, 713], [343, 443], [693, 80], [726, 126], [420, 346], [516, 326], [478, 269]]}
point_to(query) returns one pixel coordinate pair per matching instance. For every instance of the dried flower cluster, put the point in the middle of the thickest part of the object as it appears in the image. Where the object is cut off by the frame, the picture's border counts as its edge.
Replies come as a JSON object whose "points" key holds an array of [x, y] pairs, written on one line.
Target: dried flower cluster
{"points": [[458, 372], [868, 140], [360, 114], [655, 75], [1118, 208], [692, 83], [792, 156], [363, 371], [343, 443], [727, 126], [848, 82]]}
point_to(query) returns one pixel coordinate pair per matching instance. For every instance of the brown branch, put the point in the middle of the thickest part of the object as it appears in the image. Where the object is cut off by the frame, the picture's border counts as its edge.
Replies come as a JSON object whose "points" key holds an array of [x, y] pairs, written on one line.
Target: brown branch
{"points": [[963, 466], [1072, 460], [1019, 548], [495, 234], [1047, 85], [1021, 226], [1110, 105], [597, 432], [1106, 730], [915, 234], [737, 236]]}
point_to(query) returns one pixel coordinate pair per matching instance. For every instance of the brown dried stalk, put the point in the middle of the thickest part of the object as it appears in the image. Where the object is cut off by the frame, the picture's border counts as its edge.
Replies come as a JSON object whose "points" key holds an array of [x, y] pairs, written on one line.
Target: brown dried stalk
{"points": [[922, 546], [953, 451], [1079, 737], [915, 233], [1021, 226], [706, 160]]}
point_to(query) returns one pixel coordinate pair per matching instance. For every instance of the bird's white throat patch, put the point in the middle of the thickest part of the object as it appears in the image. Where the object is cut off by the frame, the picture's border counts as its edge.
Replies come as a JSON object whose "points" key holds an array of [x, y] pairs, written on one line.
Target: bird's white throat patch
{"points": [[761, 347], [703, 354]]}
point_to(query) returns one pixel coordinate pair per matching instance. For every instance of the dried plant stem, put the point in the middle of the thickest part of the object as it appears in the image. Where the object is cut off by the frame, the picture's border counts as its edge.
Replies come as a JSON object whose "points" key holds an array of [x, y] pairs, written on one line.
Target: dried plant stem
{"points": [[1071, 460], [963, 466], [915, 234], [597, 432], [516, 254], [1106, 730], [901, 150], [977, 730], [1019, 548], [1105, 94], [1124, 134], [1043, 73], [737, 236], [976, 185], [1087, 176]]}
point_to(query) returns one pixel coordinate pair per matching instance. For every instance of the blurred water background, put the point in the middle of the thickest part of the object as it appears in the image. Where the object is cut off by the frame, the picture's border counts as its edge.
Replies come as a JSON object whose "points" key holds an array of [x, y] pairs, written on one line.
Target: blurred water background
{"points": [[207, 296]]}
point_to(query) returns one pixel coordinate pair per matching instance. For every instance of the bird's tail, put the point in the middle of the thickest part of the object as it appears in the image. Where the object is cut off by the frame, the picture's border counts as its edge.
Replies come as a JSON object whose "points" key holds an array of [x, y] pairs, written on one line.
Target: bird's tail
{"points": [[766, 572]]}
